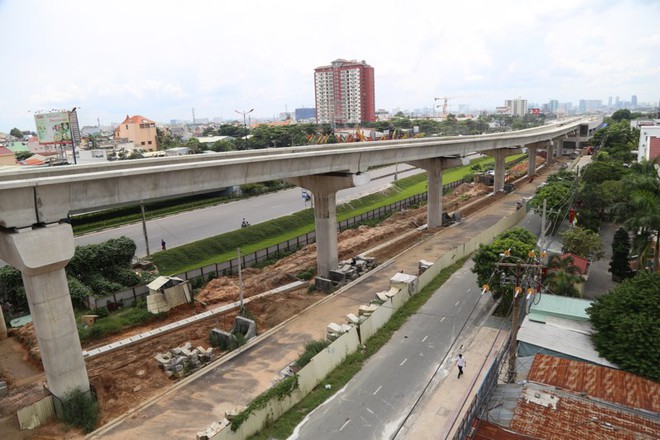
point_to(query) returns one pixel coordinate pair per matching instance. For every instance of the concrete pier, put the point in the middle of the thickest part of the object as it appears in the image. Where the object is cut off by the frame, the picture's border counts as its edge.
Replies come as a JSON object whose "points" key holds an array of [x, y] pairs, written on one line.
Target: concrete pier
{"points": [[434, 168], [41, 254], [324, 187]]}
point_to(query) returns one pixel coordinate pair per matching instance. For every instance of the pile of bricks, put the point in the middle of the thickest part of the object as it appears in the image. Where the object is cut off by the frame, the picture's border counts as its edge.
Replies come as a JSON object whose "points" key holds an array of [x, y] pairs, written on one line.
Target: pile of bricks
{"points": [[181, 361]]}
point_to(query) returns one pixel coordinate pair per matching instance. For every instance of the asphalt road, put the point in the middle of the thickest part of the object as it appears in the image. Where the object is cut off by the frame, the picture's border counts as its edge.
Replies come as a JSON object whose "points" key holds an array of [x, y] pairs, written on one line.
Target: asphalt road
{"points": [[376, 402], [199, 224]]}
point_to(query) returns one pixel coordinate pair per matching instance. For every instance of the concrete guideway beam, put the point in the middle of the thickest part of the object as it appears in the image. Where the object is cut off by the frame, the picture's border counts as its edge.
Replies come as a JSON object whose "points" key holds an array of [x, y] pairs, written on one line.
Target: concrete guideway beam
{"points": [[324, 187], [500, 165], [44, 196], [434, 168], [41, 255]]}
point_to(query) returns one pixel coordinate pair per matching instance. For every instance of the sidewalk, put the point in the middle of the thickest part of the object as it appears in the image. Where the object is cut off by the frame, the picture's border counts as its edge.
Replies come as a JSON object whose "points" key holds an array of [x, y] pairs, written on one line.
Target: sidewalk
{"points": [[441, 414], [194, 403]]}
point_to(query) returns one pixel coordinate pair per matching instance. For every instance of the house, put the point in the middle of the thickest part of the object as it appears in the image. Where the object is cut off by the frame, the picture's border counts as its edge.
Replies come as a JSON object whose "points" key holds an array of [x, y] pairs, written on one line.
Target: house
{"points": [[559, 325], [567, 399], [140, 130], [7, 157], [649, 143]]}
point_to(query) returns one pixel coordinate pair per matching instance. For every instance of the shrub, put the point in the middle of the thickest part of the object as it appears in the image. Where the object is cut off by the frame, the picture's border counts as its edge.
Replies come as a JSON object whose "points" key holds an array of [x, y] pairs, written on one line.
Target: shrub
{"points": [[101, 286], [81, 410], [312, 348], [125, 277]]}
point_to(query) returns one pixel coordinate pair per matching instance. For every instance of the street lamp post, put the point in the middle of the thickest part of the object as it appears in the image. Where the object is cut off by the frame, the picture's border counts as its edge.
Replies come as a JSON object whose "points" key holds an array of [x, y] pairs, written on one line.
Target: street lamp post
{"points": [[245, 113]]}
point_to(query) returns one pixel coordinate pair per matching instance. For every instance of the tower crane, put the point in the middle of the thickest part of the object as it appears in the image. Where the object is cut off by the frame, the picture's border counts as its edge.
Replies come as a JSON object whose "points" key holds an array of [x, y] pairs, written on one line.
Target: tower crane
{"points": [[445, 100]]}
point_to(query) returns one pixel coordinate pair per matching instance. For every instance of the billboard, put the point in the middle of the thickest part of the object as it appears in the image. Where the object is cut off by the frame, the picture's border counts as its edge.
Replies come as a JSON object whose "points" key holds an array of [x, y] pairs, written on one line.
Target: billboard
{"points": [[535, 111], [53, 128]]}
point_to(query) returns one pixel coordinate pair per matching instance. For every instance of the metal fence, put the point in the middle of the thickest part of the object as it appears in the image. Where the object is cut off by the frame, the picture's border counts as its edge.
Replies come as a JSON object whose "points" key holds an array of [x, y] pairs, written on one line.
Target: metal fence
{"points": [[127, 297], [230, 267]]}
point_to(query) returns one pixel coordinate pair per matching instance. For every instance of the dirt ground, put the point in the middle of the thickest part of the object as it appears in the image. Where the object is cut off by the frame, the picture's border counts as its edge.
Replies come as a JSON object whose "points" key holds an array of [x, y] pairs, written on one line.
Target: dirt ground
{"points": [[129, 376]]}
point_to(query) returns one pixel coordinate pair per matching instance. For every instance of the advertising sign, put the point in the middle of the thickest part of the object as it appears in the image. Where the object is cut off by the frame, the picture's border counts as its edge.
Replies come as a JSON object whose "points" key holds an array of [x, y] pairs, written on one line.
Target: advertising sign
{"points": [[53, 128], [75, 129], [535, 111]]}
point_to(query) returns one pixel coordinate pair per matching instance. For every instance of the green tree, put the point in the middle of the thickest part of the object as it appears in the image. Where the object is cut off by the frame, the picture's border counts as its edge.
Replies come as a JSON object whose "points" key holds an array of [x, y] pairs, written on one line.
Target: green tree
{"points": [[518, 241], [558, 201], [626, 322], [623, 114], [619, 265], [224, 145], [18, 134], [22, 155], [563, 278], [194, 145], [11, 282], [583, 243], [601, 171]]}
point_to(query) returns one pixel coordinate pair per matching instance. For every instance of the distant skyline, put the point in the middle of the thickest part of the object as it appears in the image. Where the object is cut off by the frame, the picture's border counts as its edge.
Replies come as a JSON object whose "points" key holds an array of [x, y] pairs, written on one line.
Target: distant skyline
{"points": [[159, 59]]}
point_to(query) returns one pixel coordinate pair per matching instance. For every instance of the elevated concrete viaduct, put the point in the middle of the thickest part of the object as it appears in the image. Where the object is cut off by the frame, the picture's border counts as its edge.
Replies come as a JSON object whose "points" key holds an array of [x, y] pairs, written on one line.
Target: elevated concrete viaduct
{"points": [[34, 204]]}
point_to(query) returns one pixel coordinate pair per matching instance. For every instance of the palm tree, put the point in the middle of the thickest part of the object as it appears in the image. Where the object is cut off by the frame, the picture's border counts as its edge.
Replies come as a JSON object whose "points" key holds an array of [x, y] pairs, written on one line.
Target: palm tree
{"points": [[563, 277], [640, 212]]}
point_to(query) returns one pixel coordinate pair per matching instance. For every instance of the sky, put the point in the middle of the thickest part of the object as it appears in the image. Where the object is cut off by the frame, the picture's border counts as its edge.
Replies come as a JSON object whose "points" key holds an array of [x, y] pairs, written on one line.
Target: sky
{"points": [[160, 59]]}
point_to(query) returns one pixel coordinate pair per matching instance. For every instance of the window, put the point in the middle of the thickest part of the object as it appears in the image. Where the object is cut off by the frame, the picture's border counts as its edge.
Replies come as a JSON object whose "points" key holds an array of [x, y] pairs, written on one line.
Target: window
{"points": [[149, 142], [143, 142]]}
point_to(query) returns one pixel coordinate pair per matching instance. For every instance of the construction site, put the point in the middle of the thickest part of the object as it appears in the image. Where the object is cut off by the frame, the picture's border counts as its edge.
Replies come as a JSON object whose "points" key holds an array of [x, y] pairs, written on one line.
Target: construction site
{"points": [[126, 377]]}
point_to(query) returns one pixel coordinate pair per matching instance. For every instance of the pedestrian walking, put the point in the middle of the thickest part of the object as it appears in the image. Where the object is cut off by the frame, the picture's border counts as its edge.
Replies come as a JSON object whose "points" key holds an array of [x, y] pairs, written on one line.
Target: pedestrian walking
{"points": [[460, 363], [163, 245]]}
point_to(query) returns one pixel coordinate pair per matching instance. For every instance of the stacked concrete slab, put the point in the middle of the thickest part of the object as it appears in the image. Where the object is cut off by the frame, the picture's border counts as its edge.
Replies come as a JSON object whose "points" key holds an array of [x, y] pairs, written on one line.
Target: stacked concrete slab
{"points": [[181, 361]]}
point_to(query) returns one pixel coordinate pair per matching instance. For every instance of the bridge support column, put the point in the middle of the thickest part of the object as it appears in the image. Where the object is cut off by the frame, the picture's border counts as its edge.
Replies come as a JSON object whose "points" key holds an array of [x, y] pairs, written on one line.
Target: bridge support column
{"points": [[531, 161], [324, 187], [41, 254], [550, 156], [500, 156], [434, 168]]}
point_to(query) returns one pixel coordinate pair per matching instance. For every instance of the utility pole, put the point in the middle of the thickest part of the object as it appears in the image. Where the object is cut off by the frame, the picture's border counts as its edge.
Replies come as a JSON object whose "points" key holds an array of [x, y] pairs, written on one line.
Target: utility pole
{"points": [[240, 282], [519, 270], [144, 227]]}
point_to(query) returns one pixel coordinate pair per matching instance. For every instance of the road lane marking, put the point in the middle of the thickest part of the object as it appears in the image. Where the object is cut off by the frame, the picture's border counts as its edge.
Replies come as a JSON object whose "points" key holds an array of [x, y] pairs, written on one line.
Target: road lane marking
{"points": [[344, 425], [443, 318], [378, 389], [468, 291], [370, 411], [404, 361], [457, 302], [425, 337]]}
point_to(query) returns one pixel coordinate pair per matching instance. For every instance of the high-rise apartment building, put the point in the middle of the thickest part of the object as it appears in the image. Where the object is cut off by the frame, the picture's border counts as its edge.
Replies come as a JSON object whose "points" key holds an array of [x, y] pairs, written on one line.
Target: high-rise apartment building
{"points": [[345, 92], [517, 107], [633, 101]]}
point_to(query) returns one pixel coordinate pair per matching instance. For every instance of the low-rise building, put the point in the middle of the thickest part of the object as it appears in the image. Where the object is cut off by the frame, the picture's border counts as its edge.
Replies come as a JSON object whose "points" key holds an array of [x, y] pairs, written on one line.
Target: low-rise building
{"points": [[139, 130]]}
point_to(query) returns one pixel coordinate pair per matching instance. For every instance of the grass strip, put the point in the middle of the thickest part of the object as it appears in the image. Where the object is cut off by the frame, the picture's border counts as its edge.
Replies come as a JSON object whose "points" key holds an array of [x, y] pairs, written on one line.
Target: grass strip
{"points": [[283, 427], [222, 247]]}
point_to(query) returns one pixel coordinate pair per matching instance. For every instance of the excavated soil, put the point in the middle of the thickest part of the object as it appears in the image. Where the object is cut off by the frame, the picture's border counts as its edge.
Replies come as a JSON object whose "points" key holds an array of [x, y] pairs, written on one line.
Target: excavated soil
{"points": [[129, 376]]}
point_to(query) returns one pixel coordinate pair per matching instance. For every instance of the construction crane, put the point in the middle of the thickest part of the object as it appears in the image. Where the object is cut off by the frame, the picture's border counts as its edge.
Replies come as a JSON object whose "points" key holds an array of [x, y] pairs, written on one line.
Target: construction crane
{"points": [[445, 100]]}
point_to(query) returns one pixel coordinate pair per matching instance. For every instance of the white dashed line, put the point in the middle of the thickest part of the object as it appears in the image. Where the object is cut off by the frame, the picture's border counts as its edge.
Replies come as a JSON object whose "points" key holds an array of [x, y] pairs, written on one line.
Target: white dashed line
{"points": [[468, 291], [425, 337], [457, 303], [344, 425], [404, 361], [370, 411], [378, 389], [443, 318]]}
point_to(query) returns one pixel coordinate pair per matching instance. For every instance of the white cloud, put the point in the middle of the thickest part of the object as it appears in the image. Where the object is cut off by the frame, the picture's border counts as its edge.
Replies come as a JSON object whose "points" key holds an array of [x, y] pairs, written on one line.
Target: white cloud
{"points": [[161, 58]]}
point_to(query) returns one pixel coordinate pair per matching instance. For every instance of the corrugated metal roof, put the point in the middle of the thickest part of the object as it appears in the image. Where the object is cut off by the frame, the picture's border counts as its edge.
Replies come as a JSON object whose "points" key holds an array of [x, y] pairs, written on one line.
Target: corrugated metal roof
{"points": [[614, 386], [577, 417], [560, 336], [562, 307]]}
